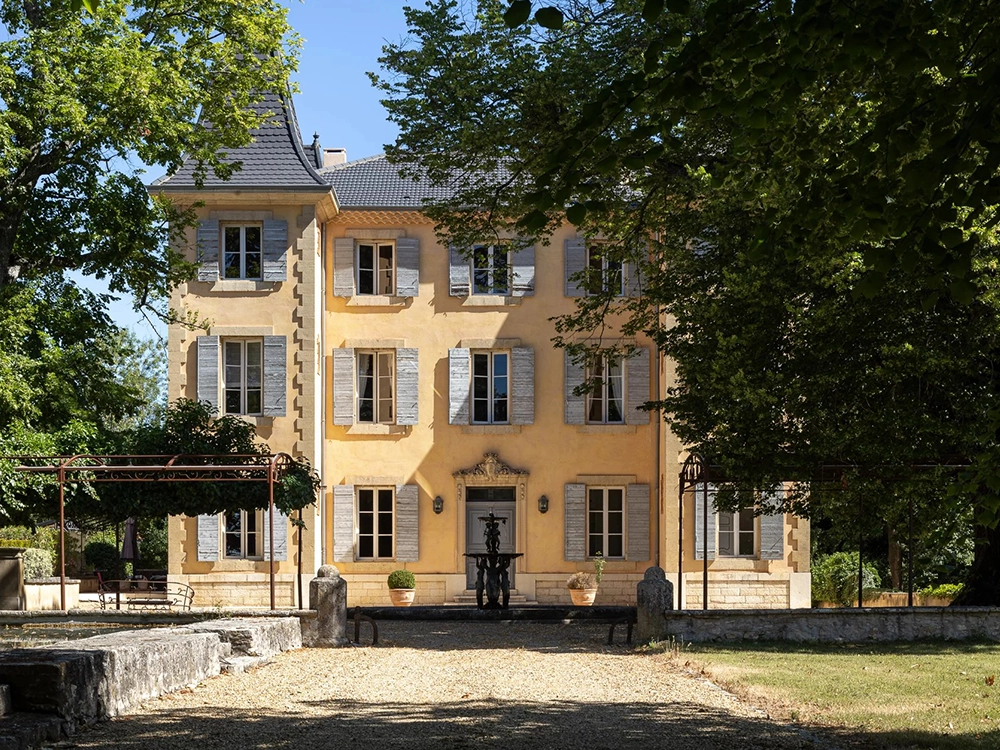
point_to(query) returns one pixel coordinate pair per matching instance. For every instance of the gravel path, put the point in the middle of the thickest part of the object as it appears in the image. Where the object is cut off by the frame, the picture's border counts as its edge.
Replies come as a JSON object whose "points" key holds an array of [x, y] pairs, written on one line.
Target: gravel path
{"points": [[454, 685]]}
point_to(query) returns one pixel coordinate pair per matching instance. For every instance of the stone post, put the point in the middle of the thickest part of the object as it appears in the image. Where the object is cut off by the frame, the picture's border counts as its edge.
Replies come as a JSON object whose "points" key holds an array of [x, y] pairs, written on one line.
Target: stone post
{"points": [[328, 596], [11, 578], [654, 597]]}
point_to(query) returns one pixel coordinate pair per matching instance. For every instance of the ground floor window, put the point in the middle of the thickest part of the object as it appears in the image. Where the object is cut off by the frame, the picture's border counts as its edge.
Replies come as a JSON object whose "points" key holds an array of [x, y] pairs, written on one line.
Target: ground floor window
{"points": [[375, 522], [243, 534], [606, 522], [736, 534]]}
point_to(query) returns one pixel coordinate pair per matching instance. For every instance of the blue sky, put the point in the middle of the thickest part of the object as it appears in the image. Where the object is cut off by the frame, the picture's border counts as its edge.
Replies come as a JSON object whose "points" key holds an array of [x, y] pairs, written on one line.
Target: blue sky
{"points": [[342, 40]]}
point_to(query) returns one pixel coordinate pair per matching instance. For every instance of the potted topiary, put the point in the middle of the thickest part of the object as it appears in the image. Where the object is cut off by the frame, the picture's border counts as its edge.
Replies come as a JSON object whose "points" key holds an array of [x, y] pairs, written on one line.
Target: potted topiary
{"points": [[583, 586], [402, 588]]}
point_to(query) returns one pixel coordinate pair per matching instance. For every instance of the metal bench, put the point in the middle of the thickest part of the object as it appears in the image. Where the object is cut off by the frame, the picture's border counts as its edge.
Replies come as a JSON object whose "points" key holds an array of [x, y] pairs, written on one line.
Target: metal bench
{"points": [[143, 595]]}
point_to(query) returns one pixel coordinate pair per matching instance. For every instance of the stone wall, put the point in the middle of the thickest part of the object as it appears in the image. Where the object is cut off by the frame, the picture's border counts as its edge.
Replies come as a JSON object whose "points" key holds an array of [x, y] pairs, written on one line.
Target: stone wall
{"points": [[372, 590], [835, 625], [738, 590], [615, 588], [244, 589]]}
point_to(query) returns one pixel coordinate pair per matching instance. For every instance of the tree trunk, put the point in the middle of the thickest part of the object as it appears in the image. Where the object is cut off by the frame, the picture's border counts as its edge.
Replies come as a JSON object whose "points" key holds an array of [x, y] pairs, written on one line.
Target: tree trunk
{"points": [[982, 586]]}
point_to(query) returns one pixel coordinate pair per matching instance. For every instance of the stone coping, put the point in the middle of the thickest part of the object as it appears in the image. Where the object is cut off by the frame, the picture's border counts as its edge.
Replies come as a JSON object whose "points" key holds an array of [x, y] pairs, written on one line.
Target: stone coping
{"points": [[113, 616]]}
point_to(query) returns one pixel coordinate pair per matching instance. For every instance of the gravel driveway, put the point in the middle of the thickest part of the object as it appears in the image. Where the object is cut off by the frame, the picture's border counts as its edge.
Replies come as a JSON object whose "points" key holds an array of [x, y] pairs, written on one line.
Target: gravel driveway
{"points": [[454, 685]]}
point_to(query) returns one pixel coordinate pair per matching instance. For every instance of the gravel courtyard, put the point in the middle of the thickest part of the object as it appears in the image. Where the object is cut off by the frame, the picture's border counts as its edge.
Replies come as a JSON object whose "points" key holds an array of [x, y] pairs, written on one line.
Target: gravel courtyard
{"points": [[454, 685]]}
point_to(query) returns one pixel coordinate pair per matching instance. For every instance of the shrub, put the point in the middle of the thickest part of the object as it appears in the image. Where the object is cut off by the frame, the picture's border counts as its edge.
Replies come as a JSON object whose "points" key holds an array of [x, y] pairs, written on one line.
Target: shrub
{"points": [[15, 542], [835, 579], [402, 579], [101, 556], [37, 563], [582, 581], [942, 591], [153, 543]]}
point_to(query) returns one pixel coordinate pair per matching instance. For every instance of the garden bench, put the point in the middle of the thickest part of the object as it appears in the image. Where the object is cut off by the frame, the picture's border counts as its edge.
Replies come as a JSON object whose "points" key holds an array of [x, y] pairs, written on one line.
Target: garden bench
{"points": [[143, 595]]}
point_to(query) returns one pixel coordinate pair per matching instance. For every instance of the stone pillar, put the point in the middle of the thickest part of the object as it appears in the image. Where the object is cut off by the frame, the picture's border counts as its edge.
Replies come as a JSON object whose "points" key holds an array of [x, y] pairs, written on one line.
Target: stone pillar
{"points": [[11, 578], [328, 596], [654, 597]]}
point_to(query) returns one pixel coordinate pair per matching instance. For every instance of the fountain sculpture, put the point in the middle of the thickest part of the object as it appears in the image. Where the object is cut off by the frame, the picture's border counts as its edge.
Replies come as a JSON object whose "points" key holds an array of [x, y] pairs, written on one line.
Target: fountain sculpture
{"points": [[493, 567]]}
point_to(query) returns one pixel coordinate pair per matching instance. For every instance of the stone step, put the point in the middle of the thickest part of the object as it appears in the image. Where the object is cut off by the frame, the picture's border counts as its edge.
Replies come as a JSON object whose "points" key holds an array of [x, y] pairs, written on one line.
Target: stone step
{"points": [[469, 597]]}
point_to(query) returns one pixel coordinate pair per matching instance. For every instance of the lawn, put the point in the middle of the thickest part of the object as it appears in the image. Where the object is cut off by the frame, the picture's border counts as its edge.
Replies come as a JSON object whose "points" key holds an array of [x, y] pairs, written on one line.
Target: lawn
{"points": [[906, 695]]}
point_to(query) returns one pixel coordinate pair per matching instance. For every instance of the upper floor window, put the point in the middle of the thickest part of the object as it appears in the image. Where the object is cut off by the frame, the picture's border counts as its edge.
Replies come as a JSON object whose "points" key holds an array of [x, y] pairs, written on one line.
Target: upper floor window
{"points": [[243, 538], [376, 380], [375, 522], [606, 399], [607, 274], [490, 387], [241, 251], [243, 376], [736, 533], [606, 522], [376, 268], [490, 270]]}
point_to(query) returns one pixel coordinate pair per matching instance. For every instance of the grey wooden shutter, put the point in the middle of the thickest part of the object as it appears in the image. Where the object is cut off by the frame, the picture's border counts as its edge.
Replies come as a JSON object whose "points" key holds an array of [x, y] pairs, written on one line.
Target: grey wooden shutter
{"points": [[522, 391], [637, 496], [574, 261], [275, 375], [407, 267], [459, 366], [575, 409], [699, 522], [637, 372], [524, 272], [280, 535], [406, 386], [208, 538], [772, 526], [208, 371], [208, 250], [407, 549], [574, 526], [343, 386], [459, 275], [727, 535], [343, 267], [275, 250], [343, 523], [633, 279]]}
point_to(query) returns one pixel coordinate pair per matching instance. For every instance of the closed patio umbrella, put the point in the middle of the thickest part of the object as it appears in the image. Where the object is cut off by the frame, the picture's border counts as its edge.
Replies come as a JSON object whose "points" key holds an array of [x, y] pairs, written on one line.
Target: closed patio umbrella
{"points": [[130, 544]]}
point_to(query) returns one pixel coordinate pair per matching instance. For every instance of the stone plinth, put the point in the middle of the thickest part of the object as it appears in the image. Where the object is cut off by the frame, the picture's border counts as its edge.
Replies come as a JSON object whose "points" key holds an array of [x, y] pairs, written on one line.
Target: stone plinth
{"points": [[654, 602], [328, 596], [11, 578]]}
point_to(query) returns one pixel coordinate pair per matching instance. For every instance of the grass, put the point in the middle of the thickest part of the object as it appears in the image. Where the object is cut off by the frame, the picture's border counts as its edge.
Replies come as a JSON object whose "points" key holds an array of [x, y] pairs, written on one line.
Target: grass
{"points": [[905, 695]]}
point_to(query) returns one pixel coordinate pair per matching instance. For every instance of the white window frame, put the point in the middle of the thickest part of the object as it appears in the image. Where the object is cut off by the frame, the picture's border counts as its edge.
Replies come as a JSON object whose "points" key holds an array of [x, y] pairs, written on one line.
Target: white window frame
{"points": [[598, 392], [491, 355], [245, 534], [491, 271], [598, 262], [377, 290], [377, 531], [605, 513], [743, 526], [379, 400], [243, 386], [241, 251]]}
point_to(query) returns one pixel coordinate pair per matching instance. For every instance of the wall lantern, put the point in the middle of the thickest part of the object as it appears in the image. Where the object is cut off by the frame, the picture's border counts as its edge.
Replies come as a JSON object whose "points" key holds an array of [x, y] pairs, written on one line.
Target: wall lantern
{"points": [[438, 504], [543, 504]]}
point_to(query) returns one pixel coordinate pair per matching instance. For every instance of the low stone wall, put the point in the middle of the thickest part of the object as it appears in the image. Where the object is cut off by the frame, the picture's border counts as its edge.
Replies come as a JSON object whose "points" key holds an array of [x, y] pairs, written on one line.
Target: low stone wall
{"points": [[835, 625], [738, 590], [244, 589], [42, 594]]}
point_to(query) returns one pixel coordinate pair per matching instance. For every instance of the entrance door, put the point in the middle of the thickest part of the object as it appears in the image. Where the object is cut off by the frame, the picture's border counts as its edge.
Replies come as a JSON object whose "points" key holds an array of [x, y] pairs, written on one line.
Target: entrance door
{"points": [[479, 501]]}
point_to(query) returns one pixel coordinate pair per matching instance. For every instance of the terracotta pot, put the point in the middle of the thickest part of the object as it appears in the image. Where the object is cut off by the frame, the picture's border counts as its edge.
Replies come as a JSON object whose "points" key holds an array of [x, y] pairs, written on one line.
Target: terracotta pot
{"points": [[402, 597], [583, 597]]}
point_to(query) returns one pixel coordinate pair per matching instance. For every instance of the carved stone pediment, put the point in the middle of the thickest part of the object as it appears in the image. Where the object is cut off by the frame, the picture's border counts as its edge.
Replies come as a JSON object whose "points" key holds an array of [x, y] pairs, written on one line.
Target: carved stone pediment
{"points": [[490, 468]]}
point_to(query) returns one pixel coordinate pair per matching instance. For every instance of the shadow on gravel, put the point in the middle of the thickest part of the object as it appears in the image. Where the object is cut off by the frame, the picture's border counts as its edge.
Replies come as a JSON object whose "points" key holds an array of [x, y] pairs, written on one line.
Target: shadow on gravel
{"points": [[545, 637], [486, 725]]}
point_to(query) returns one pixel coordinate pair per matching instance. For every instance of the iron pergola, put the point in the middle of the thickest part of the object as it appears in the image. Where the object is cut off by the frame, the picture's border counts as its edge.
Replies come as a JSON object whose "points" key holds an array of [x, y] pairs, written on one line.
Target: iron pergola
{"points": [[268, 468]]}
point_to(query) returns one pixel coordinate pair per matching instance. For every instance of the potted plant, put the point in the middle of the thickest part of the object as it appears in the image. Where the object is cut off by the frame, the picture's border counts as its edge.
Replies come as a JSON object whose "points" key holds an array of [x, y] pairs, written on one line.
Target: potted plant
{"points": [[402, 588], [583, 586]]}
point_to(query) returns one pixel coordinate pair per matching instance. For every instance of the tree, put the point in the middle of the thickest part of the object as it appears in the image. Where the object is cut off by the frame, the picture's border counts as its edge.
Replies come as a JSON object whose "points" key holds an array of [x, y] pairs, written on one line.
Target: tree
{"points": [[814, 189]]}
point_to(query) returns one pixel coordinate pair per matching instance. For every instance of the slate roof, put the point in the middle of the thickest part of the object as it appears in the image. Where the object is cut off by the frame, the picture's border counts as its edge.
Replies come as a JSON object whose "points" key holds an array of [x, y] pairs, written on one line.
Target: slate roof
{"points": [[375, 183], [276, 159]]}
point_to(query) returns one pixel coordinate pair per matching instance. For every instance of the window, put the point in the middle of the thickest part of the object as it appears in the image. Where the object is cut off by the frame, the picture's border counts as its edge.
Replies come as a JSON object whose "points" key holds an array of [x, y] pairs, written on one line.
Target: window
{"points": [[736, 534], [376, 380], [241, 252], [243, 534], [606, 522], [243, 366], [376, 268], [490, 387], [490, 270], [375, 511], [605, 400], [608, 270]]}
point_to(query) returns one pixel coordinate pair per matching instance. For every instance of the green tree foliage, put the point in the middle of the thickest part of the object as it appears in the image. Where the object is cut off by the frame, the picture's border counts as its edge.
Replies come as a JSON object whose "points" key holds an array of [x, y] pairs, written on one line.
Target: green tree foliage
{"points": [[835, 579], [811, 190]]}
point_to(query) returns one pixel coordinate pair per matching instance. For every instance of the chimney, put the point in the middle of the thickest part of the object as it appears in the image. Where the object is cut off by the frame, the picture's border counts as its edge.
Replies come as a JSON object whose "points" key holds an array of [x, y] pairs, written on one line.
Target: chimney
{"points": [[334, 156]]}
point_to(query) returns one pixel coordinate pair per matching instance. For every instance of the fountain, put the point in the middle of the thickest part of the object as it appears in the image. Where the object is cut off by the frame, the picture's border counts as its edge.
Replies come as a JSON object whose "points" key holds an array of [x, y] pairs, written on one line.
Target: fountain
{"points": [[493, 567]]}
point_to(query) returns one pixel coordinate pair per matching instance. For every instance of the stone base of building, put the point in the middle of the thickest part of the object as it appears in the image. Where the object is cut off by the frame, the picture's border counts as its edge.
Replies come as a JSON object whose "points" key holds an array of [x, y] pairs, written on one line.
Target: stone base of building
{"points": [[746, 590]]}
